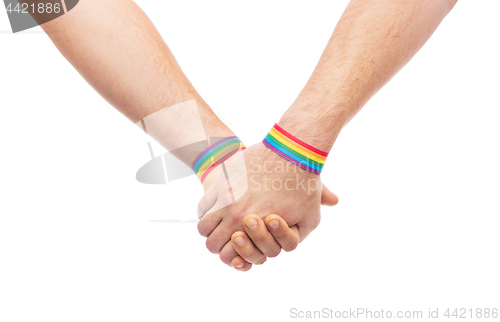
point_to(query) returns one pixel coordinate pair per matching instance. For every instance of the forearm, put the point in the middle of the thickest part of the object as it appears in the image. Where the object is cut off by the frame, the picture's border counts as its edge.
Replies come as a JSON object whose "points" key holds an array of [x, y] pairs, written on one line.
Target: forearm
{"points": [[371, 43], [119, 52]]}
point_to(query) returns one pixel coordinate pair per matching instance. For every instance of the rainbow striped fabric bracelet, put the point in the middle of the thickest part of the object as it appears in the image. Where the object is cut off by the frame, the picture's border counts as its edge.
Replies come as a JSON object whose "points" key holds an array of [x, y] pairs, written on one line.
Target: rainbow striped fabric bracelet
{"points": [[215, 155], [295, 150]]}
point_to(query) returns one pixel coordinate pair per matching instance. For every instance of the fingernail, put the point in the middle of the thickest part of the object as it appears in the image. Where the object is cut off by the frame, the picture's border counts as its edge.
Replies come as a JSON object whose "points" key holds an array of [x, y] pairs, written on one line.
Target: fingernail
{"points": [[251, 223], [241, 265], [274, 224], [239, 241]]}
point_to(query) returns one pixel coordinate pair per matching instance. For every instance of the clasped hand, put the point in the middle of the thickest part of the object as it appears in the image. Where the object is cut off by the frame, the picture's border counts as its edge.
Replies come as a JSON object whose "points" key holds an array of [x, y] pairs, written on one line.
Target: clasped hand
{"points": [[259, 204]]}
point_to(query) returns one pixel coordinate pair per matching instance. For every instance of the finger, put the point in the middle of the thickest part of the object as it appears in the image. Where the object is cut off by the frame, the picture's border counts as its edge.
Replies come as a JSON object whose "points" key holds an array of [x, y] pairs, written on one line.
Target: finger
{"points": [[207, 202], [261, 237], [287, 237], [328, 198], [240, 264], [208, 223], [218, 238], [215, 198], [228, 253], [246, 249]]}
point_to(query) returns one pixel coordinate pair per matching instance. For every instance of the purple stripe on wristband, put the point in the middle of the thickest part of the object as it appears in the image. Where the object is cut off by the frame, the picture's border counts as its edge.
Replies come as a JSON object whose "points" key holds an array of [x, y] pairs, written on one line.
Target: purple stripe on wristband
{"points": [[290, 159]]}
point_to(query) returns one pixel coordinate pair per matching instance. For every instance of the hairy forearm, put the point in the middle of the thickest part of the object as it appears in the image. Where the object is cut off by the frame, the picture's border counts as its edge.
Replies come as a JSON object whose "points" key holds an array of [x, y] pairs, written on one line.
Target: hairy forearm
{"points": [[117, 49], [373, 40]]}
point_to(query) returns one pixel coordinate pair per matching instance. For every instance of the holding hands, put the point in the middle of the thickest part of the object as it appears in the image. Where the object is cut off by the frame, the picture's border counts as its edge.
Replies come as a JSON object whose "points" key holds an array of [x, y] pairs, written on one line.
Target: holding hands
{"points": [[267, 197], [283, 201]]}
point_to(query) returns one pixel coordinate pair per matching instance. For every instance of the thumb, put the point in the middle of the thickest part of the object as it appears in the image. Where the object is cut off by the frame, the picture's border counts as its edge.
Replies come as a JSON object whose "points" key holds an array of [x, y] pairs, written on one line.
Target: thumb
{"points": [[328, 198]]}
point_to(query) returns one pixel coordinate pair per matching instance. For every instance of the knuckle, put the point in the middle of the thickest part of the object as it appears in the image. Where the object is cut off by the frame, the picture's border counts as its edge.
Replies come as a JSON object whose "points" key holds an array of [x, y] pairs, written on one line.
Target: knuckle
{"points": [[292, 246], [200, 209], [258, 237], [226, 258], [280, 234], [212, 246], [202, 229], [235, 218], [261, 260], [247, 253], [274, 252]]}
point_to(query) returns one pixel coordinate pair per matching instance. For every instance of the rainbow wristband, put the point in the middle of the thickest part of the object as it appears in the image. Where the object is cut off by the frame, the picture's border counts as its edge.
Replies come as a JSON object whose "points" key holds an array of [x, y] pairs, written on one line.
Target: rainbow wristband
{"points": [[295, 150], [215, 155]]}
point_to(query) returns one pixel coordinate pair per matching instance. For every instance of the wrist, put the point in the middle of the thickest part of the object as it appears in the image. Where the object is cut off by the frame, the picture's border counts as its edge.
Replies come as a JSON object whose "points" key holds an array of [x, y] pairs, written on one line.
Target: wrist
{"points": [[218, 170], [295, 150], [313, 125], [219, 151]]}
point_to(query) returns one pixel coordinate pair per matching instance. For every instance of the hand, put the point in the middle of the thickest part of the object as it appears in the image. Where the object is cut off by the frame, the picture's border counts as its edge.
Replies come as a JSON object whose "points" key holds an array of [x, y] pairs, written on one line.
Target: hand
{"points": [[265, 238], [259, 181], [262, 238]]}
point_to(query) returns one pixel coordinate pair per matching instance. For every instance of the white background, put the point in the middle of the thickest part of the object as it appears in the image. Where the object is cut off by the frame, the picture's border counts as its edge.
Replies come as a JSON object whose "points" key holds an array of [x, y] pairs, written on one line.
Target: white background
{"points": [[416, 171]]}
